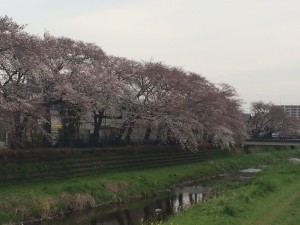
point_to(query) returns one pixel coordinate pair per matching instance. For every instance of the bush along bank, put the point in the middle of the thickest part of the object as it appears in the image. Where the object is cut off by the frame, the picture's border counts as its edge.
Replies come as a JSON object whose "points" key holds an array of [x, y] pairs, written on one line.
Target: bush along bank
{"points": [[56, 197]]}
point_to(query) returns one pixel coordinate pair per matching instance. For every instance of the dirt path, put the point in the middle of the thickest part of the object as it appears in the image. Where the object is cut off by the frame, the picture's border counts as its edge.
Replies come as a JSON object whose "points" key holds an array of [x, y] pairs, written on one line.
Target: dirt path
{"points": [[286, 212]]}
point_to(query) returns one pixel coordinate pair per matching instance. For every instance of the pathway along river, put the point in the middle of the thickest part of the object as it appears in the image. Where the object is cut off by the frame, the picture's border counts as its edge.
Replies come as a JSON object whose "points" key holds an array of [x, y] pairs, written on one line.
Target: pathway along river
{"points": [[150, 209]]}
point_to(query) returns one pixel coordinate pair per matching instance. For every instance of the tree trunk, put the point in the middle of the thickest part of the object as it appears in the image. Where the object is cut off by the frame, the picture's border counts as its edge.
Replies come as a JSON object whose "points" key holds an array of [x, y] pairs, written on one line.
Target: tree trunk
{"points": [[129, 132], [20, 125], [169, 138], [147, 135], [70, 122], [159, 135], [118, 137], [47, 127], [98, 117]]}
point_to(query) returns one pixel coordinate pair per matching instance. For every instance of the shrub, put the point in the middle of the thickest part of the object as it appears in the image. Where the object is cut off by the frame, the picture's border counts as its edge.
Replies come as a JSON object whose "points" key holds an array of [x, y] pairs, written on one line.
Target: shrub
{"points": [[229, 210], [263, 187]]}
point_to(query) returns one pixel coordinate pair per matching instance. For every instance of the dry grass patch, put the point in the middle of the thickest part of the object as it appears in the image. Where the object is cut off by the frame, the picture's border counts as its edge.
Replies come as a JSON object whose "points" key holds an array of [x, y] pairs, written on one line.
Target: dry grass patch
{"points": [[47, 209], [77, 202], [23, 211], [83, 201], [115, 187]]}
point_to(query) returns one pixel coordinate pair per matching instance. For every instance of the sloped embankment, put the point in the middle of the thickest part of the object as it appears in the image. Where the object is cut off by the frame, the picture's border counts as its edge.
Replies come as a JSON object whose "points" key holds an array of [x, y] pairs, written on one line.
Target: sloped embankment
{"points": [[55, 196], [22, 166]]}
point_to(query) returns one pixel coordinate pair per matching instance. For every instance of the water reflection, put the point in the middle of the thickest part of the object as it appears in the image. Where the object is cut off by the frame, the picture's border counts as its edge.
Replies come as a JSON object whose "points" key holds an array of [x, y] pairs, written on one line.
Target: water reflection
{"points": [[151, 209], [187, 196], [159, 208]]}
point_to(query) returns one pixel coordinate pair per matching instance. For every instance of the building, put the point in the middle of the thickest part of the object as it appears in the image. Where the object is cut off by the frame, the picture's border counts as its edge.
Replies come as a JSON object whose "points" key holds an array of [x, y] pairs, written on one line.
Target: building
{"points": [[292, 110]]}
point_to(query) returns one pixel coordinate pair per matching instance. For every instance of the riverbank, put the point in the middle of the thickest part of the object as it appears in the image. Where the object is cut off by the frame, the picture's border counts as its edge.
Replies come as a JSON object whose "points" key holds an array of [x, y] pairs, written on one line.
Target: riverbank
{"points": [[272, 197], [56, 196]]}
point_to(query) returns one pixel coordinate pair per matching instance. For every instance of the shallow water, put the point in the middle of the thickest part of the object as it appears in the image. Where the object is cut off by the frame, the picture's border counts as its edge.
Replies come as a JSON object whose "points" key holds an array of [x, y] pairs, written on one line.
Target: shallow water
{"points": [[149, 209], [251, 170]]}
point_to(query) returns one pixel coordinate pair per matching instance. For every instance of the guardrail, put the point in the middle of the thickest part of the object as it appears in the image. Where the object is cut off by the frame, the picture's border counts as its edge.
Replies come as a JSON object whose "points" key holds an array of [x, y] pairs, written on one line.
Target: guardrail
{"points": [[271, 142]]}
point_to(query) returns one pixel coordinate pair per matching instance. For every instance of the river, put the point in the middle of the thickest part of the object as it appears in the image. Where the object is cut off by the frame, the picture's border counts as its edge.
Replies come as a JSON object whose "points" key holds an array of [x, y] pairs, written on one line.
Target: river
{"points": [[150, 209]]}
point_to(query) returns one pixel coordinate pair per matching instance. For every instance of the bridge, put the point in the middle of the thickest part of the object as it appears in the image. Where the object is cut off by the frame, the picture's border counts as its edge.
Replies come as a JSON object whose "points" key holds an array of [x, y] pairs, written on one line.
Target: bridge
{"points": [[270, 142]]}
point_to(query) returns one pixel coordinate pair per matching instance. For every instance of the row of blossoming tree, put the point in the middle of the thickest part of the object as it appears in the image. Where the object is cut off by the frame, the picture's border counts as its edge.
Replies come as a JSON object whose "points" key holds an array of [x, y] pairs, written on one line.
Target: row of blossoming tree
{"points": [[39, 72], [271, 121]]}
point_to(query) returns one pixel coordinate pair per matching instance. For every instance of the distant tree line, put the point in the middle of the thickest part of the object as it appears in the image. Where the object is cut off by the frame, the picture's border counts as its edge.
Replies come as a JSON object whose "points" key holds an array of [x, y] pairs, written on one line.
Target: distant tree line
{"points": [[39, 72], [269, 121]]}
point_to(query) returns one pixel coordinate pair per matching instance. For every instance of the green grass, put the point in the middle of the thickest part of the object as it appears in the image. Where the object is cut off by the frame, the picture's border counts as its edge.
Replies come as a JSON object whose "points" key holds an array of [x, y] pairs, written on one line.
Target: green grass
{"points": [[271, 198], [45, 199], [23, 166]]}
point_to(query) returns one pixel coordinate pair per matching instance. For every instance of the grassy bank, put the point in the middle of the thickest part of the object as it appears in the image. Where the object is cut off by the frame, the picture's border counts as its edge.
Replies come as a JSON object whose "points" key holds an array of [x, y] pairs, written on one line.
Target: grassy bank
{"points": [[271, 198], [56, 196], [39, 164]]}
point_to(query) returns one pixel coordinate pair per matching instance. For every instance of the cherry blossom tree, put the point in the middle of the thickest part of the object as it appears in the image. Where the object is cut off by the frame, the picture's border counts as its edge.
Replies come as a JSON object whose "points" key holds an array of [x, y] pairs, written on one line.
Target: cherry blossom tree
{"points": [[103, 91], [19, 93], [268, 119], [181, 107], [74, 76], [9, 33], [82, 81], [230, 128], [125, 71], [189, 109]]}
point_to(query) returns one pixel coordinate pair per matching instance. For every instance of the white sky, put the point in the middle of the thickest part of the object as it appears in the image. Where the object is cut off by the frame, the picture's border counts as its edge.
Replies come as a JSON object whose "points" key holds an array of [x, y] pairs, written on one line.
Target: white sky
{"points": [[253, 45]]}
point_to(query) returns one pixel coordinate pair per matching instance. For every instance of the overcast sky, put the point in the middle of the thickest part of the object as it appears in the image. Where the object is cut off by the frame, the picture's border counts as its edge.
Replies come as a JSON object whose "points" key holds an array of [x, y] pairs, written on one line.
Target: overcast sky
{"points": [[253, 45]]}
